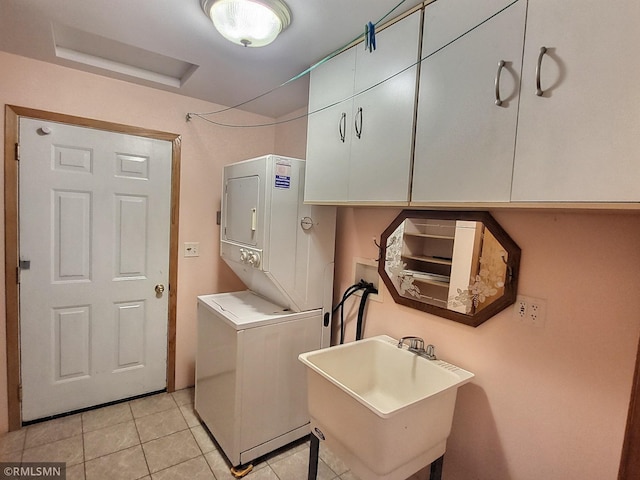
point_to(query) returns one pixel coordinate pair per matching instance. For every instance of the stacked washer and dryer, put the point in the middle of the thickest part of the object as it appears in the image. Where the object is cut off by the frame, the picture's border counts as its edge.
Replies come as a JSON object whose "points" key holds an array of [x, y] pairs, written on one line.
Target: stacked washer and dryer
{"points": [[250, 388]]}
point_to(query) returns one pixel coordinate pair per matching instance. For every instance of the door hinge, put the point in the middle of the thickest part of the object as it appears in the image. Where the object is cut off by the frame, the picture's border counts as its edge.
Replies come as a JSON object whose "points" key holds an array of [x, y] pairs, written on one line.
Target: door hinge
{"points": [[20, 393], [18, 275], [17, 152]]}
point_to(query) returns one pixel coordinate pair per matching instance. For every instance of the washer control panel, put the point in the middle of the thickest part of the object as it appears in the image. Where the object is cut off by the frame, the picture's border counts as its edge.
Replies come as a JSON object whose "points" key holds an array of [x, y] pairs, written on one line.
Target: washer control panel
{"points": [[250, 257]]}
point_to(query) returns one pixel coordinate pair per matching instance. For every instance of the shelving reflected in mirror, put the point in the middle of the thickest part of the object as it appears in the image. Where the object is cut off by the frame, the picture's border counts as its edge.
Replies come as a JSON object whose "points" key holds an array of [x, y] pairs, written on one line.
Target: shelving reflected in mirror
{"points": [[459, 265]]}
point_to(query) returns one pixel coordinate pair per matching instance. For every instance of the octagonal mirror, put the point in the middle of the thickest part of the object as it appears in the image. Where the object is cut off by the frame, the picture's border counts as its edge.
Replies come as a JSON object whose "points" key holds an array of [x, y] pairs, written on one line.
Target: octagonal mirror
{"points": [[459, 265]]}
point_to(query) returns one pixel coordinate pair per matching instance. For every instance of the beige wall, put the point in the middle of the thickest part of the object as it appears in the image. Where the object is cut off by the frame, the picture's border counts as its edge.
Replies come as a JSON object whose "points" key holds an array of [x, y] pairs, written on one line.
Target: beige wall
{"points": [[205, 148], [291, 134], [546, 403]]}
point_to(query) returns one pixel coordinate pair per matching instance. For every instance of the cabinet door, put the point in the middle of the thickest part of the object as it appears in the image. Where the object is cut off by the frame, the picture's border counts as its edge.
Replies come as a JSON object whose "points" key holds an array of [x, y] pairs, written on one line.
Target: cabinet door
{"points": [[580, 140], [329, 129], [446, 23], [379, 169], [464, 141]]}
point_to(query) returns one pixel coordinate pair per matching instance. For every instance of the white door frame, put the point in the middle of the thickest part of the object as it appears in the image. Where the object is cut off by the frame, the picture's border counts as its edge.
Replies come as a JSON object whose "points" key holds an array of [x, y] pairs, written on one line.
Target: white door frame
{"points": [[11, 207]]}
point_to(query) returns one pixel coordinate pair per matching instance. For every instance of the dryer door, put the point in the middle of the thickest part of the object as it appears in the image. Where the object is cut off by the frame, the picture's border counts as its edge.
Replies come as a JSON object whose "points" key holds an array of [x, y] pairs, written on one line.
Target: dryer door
{"points": [[241, 207]]}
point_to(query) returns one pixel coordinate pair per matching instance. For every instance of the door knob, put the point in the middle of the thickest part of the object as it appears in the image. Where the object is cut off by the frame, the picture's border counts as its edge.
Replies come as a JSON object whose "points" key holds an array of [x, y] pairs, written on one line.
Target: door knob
{"points": [[159, 289]]}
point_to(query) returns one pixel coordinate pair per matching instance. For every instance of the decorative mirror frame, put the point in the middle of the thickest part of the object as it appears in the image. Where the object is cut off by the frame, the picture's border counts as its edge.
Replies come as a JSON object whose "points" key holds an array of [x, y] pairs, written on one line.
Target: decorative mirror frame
{"points": [[512, 265]]}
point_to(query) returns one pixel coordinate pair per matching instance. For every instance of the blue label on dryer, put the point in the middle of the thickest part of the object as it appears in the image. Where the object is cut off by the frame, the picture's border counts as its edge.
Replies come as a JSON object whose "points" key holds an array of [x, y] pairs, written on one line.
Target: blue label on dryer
{"points": [[282, 181]]}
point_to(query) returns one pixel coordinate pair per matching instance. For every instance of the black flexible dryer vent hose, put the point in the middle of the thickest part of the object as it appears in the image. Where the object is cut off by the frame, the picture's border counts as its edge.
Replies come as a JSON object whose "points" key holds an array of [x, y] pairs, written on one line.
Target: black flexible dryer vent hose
{"points": [[360, 323], [361, 285]]}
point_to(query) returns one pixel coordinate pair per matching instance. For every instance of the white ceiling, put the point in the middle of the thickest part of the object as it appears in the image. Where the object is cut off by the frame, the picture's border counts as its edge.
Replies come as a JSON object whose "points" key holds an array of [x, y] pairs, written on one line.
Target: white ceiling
{"points": [[172, 45]]}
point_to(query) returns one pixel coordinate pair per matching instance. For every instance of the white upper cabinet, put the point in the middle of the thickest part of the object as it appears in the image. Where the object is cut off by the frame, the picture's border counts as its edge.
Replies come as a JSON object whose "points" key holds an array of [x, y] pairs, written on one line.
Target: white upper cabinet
{"points": [[360, 130], [580, 140], [329, 129], [468, 101], [518, 101]]}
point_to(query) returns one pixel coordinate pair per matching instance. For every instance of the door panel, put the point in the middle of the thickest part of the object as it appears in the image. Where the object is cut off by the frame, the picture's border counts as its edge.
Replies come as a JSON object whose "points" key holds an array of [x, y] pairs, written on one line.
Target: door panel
{"points": [[71, 235], [131, 234], [242, 200], [130, 320], [72, 341], [94, 224]]}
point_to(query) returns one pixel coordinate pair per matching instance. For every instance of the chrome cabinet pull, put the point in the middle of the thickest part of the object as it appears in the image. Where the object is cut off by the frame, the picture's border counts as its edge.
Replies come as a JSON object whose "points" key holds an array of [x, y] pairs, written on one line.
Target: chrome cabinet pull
{"points": [[539, 91], [342, 126], [358, 125], [501, 65]]}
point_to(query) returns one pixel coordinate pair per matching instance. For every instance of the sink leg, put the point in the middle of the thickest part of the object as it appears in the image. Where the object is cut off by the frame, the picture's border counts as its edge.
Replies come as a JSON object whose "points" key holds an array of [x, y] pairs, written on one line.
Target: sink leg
{"points": [[436, 468], [314, 448]]}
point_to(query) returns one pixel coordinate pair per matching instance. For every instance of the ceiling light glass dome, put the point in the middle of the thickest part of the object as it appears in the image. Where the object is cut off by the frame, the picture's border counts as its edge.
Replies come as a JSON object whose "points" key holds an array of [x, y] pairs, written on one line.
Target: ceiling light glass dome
{"points": [[252, 23]]}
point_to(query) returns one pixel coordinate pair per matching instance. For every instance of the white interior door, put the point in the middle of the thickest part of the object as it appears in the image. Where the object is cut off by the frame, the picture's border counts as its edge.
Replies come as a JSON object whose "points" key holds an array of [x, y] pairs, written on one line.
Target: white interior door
{"points": [[94, 229]]}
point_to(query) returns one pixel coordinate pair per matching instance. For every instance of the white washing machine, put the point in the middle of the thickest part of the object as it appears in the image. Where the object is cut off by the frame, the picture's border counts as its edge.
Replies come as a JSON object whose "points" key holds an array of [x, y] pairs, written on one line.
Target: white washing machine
{"points": [[251, 388]]}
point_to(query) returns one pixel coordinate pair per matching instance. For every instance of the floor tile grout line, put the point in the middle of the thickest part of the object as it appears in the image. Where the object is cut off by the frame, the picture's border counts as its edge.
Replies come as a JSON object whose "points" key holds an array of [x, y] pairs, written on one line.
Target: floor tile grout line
{"points": [[168, 435], [181, 429], [17, 449], [188, 460], [84, 456], [152, 413], [144, 455], [274, 472], [24, 443], [140, 443], [202, 454], [110, 424]]}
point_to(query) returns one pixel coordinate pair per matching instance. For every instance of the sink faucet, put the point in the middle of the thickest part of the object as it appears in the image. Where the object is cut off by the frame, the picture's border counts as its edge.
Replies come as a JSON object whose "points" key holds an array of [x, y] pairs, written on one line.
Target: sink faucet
{"points": [[416, 345]]}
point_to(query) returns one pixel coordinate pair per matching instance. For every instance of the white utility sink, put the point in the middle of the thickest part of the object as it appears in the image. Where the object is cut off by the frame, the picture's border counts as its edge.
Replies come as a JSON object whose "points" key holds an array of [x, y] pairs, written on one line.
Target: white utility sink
{"points": [[385, 411]]}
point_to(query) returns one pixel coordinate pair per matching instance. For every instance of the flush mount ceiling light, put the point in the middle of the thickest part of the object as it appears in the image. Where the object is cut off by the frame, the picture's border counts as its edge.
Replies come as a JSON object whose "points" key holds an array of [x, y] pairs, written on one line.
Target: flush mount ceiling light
{"points": [[252, 23]]}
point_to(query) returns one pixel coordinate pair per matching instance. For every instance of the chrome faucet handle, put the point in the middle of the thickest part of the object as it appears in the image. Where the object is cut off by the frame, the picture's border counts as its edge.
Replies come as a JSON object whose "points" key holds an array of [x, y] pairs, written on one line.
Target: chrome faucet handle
{"points": [[416, 344], [430, 352]]}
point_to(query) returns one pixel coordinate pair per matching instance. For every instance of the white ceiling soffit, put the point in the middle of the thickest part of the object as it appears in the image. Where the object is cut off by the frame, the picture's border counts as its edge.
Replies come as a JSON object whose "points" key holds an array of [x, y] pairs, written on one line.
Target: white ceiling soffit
{"points": [[117, 57], [172, 45]]}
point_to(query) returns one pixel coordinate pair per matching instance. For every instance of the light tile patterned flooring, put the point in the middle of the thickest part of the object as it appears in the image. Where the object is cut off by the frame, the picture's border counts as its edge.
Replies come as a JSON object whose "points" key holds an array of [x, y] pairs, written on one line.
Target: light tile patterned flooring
{"points": [[153, 438]]}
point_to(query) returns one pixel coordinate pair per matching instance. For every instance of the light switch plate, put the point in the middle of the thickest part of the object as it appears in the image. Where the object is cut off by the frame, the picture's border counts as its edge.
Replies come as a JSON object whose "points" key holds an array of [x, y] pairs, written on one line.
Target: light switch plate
{"points": [[191, 249]]}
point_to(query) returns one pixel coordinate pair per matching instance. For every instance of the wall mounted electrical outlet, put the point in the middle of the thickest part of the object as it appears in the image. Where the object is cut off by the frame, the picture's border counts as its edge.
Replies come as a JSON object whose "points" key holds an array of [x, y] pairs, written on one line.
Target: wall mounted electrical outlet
{"points": [[531, 311]]}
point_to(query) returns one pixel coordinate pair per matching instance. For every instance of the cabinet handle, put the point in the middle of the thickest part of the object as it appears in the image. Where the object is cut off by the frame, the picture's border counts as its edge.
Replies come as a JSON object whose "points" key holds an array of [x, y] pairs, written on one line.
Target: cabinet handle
{"points": [[342, 126], [358, 125], [501, 65], [539, 91]]}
